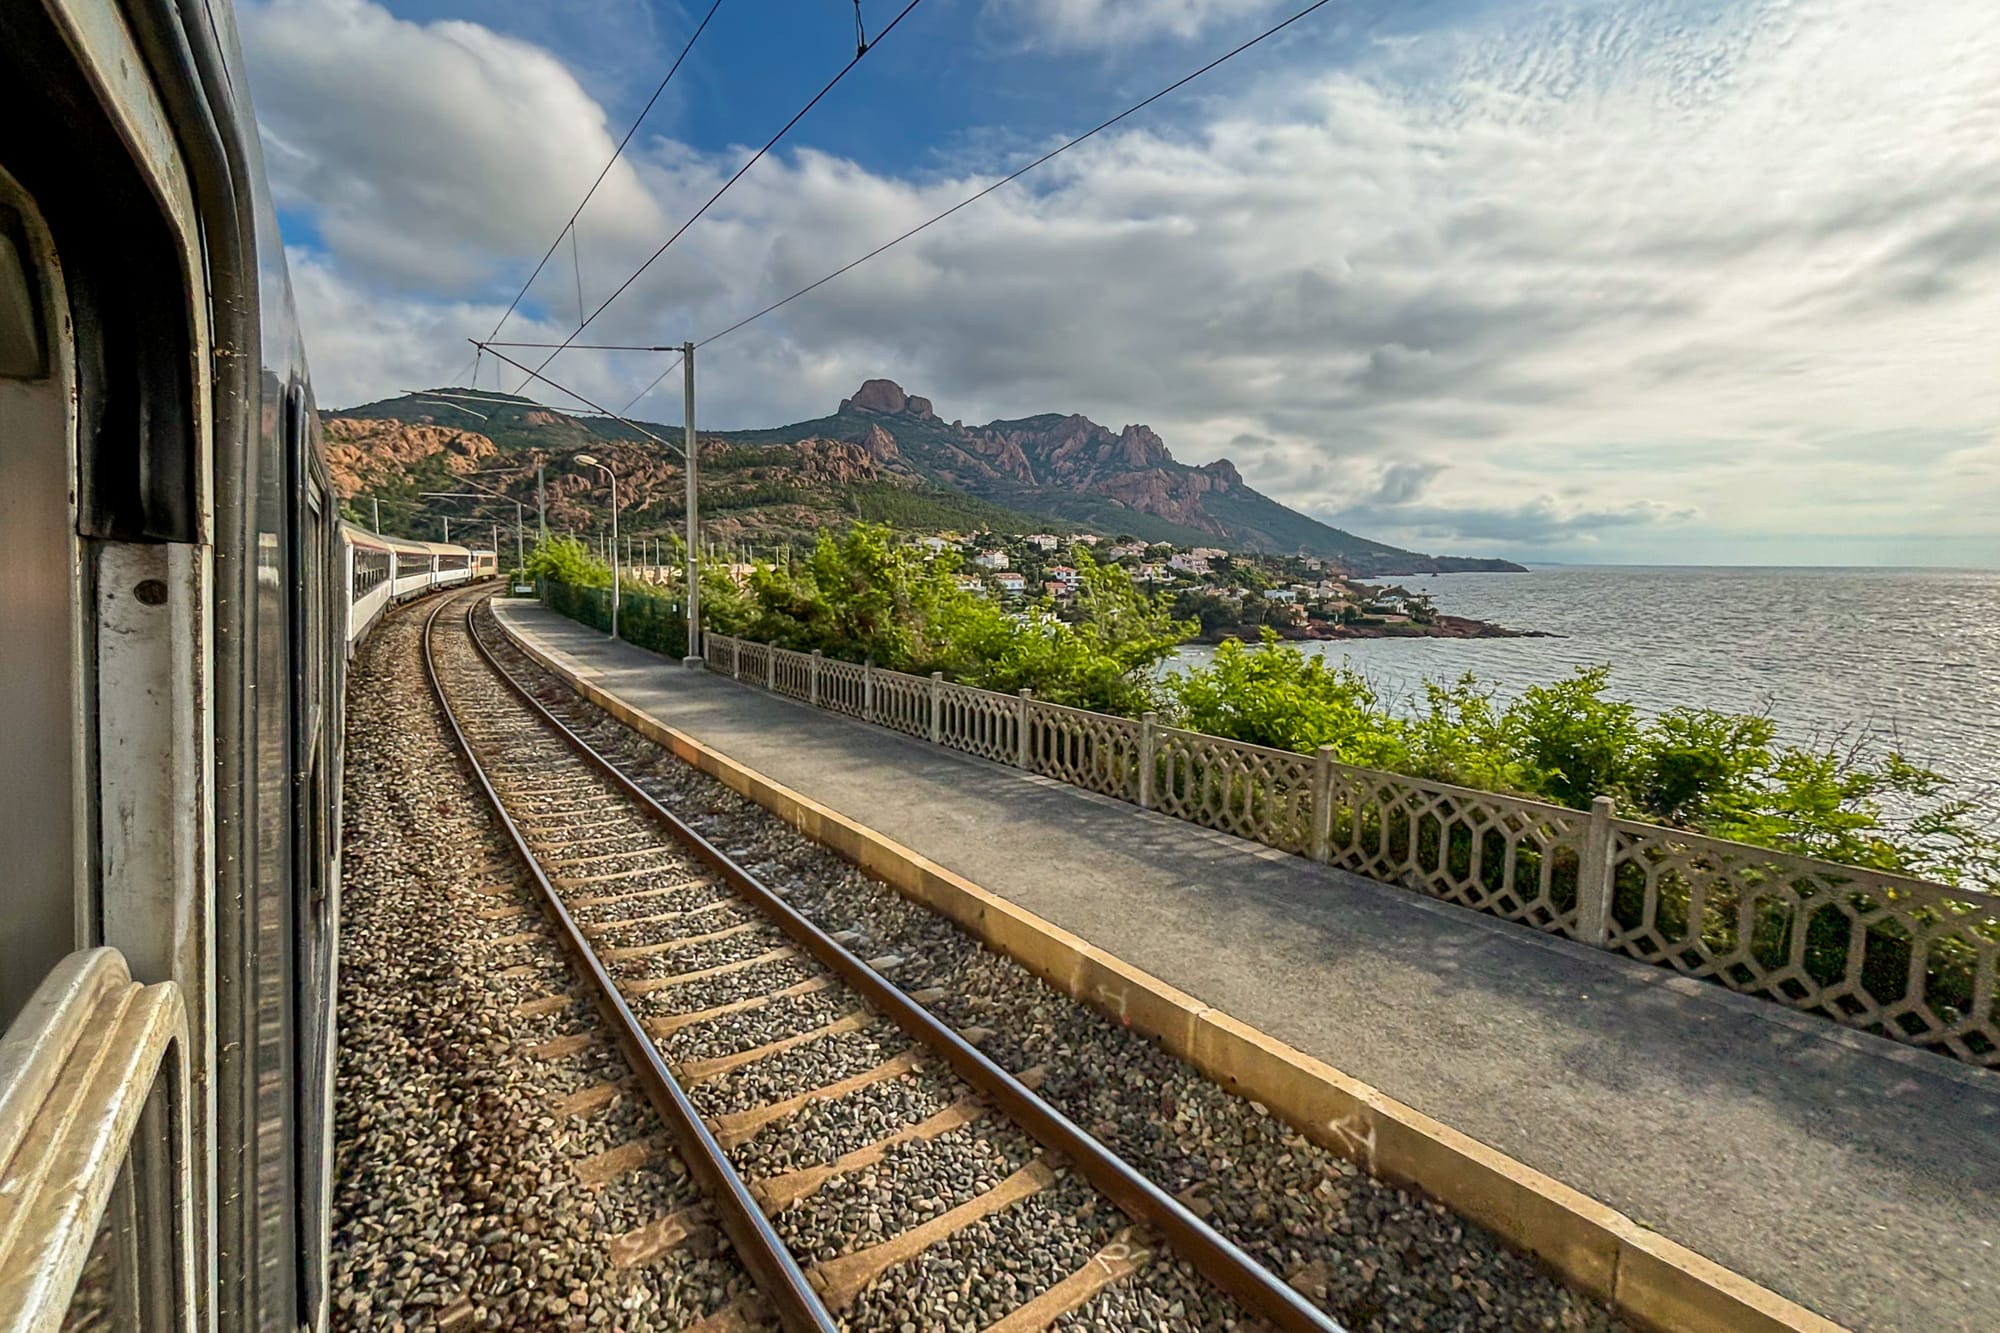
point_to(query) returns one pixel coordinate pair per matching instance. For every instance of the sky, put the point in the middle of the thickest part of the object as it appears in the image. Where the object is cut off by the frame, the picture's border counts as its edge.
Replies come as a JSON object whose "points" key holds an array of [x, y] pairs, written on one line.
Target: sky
{"points": [[1697, 281]]}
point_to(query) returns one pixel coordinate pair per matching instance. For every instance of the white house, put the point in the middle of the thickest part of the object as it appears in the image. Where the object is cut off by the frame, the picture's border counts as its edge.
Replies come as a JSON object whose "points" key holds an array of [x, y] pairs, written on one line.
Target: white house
{"points": [[1151, 574], [1011, 583], [1064, 575], [1126, 551], [991, 560], [933, 544], [1280, 595], [1189, 562], [1044, 540]]}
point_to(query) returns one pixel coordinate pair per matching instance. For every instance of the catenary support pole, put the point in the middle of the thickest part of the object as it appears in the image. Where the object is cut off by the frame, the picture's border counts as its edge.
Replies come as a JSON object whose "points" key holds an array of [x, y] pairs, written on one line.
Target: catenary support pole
{"points": [[541, 506], [690, 450]]}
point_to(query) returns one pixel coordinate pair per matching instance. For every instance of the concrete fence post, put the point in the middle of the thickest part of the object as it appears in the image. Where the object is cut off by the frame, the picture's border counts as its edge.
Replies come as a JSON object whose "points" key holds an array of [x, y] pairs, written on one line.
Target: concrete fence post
{"points": [[735, 658], [1146, 761], [1322, 802], [771, 667], [1593, 877], [817, 657], [868, 689], [1022, 750], [937, 708]]}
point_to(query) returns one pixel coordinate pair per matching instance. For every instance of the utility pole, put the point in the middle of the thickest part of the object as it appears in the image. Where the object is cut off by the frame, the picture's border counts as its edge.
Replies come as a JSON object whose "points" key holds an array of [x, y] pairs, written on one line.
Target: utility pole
{"points": [[541, 505], [376, 505], [694, 657], [520, 543], [447, 528]]}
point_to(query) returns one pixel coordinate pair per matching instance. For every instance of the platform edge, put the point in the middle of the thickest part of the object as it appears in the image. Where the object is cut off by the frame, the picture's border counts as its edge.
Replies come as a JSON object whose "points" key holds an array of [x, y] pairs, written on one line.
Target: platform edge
{"points": [[1646, 1277]]}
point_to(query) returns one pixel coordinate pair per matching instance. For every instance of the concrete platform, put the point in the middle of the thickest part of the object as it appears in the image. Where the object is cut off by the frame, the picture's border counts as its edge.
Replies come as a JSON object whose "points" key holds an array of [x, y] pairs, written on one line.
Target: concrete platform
{"points": [[1856, 1176]]}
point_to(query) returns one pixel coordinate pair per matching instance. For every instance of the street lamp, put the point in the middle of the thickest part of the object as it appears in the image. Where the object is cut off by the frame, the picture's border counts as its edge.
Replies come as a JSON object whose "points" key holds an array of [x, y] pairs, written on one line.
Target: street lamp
{"points": [[588, 461]]}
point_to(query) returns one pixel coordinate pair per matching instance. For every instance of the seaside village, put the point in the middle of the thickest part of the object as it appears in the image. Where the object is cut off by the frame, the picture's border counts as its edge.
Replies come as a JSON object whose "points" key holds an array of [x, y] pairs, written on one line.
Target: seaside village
{"points": [[1224, 590]]}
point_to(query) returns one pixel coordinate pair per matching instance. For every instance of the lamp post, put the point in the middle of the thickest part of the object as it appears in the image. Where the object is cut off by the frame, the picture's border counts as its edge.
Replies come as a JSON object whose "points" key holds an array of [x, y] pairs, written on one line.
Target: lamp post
{"points": [[588, 461]]}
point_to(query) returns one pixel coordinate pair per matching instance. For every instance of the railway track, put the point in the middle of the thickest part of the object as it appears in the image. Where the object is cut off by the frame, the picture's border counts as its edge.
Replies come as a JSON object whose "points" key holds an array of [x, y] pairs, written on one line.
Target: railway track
{"points": [[871, 1166]]}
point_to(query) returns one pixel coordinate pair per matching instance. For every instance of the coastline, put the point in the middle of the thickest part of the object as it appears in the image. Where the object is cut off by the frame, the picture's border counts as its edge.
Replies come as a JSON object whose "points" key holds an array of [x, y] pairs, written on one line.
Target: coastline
{"points": [[1326, 631]]}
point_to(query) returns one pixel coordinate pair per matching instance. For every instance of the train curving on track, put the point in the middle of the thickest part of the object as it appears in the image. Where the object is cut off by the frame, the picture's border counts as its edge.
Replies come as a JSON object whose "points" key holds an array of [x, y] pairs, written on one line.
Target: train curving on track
{"points": [[179, 605]]}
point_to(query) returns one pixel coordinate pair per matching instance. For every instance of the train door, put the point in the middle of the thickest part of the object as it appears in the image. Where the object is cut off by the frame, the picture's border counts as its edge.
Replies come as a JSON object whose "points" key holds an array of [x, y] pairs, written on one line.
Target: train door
{"points": [[312, 662]]}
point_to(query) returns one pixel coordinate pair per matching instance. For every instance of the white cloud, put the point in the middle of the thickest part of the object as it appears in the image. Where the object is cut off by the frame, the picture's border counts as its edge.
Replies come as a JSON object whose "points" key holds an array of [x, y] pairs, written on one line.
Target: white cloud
{"points": [[1095, 24], [1613, 275], [428, 151]]}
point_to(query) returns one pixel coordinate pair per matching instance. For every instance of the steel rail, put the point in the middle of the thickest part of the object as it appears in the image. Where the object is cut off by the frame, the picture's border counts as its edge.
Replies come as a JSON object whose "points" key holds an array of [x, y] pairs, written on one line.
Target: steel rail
{"points": [[779, 1279], [1260, 1291]]}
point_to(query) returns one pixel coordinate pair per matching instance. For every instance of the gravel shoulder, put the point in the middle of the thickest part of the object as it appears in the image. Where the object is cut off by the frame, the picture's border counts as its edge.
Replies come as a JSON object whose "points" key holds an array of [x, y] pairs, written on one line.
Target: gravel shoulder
{"points": [[1372, 1255], [457, 1201]]}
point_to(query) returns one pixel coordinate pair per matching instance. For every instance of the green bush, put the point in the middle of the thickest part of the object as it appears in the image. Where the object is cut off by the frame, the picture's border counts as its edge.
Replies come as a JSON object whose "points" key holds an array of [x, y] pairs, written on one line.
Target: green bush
{"points": [[1713, 772]]}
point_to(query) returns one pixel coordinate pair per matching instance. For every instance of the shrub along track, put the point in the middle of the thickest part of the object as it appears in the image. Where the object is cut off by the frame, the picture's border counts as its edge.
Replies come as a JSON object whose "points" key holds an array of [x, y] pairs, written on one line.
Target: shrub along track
{"points": [[918, 1184], [1368, 1253], [471, 1188]]}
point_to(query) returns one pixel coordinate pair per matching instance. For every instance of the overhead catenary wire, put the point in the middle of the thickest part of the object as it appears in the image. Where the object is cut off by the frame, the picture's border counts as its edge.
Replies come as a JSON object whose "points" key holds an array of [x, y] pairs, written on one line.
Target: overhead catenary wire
{"points": [[593, 347], [502, 400], [640, 396], [596, 407], [752, 161], [1057, 151], [616, 153]]}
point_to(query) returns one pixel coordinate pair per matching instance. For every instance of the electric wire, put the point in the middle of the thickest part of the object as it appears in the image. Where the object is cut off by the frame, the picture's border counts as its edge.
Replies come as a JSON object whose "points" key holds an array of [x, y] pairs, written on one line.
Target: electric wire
{"points": [[595, 407], [637, 397], [592, 347], [616, 153], [1009, 179], [754, 158]]}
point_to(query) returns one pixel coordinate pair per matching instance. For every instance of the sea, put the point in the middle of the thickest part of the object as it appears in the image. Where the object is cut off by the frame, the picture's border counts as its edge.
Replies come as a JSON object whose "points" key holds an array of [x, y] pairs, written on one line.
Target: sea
{"points": [[1897, 658]]}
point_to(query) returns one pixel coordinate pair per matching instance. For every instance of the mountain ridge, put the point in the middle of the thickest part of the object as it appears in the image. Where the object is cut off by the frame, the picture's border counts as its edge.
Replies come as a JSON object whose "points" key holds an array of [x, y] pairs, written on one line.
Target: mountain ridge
{"points": [[886, 450]]}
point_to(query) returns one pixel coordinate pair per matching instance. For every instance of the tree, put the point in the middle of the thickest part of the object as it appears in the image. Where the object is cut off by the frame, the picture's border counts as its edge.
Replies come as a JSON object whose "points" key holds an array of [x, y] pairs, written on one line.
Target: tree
{"points": [[567, 560]]}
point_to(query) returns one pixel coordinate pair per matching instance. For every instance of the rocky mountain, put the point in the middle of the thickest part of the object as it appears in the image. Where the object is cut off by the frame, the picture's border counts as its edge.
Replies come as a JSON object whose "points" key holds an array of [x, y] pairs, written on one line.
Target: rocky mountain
{"points": [[1125, 481], [884, 454]]}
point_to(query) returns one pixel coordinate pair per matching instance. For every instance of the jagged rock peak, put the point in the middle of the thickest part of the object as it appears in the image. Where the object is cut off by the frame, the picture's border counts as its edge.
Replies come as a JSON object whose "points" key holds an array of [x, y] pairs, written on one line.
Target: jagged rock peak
{"points": [[887, 398], [1224, 472], [1141, 447], [880, 444]]}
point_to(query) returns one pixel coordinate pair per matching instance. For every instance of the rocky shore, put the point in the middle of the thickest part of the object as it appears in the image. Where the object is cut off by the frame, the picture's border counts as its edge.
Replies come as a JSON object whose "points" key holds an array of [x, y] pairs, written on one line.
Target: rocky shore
{"points": [[1442, 627]]}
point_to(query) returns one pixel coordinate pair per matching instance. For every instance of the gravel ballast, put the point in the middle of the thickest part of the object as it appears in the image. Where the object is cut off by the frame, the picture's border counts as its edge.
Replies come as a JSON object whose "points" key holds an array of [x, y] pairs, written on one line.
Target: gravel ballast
{"points": [[456, 1202], [1371, 1254]]}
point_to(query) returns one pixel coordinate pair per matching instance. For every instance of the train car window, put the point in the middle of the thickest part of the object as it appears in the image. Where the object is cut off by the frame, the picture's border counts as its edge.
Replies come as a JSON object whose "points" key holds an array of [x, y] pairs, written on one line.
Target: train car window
{"points": [[22, 355], [39, 742], [138, 458]]}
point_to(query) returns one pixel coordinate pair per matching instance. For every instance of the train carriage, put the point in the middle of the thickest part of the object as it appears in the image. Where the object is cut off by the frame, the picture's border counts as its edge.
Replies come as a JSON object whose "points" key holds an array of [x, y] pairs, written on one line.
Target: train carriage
{"points": [[178, 596]]}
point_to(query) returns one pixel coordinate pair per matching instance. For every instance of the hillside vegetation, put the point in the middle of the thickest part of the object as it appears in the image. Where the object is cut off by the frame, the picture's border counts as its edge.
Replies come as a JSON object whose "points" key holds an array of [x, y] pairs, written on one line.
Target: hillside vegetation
{"points": [[883, 455]]}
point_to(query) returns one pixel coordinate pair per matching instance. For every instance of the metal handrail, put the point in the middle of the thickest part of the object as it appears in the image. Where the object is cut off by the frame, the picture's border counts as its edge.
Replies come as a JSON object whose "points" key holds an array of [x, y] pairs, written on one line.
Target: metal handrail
{"points": [[82, 1069]]}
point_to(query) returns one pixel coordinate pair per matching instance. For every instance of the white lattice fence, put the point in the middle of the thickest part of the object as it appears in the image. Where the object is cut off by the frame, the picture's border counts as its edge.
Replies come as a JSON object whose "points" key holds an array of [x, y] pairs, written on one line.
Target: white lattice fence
{"points": [[842, 687], [1091, 750], [1264, 795], [1515, 859], [1890, 954], [903, 703], [753, 661], [1911, 960], [792, 673], [979, 722]]}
